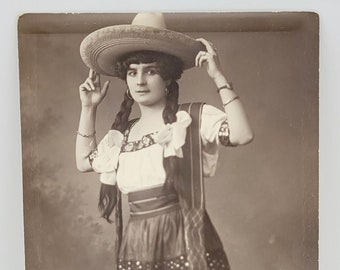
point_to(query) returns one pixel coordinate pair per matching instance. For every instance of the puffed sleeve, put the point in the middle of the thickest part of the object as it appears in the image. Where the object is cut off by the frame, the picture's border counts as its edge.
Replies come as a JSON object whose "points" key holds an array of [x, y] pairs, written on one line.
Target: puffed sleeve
{"points": [[212, 119], [105, 158]]}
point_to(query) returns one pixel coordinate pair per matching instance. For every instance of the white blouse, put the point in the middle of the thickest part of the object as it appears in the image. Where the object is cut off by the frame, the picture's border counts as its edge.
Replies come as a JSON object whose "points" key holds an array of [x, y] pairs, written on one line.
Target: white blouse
{"points": [[139, 165]]}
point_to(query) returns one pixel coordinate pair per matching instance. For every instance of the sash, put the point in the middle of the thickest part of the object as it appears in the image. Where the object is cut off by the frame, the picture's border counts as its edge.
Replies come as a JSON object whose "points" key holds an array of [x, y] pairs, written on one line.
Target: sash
{"points": [[191, 190]]}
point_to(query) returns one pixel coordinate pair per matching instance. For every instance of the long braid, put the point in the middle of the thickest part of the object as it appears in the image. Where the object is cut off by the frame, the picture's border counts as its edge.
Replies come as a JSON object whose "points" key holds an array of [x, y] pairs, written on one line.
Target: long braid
{"points": [[171, 107], [170, 164], [122, 117], [108, 193]]}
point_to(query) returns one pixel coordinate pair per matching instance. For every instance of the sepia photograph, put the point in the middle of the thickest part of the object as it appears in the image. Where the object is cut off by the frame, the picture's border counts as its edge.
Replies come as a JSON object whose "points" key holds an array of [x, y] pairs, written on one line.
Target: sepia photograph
{"points": [[170, 140]]}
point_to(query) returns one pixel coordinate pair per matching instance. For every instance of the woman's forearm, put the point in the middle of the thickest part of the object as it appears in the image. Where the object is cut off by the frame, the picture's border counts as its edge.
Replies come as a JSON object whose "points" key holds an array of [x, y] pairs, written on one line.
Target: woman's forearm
{"points": [[86, 139], [239, 126]]}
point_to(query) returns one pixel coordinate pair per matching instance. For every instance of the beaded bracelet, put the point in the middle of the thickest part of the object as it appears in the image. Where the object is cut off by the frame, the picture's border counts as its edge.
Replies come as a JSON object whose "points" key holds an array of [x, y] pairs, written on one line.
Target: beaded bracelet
{"points": [[228, 86], [86, 136]]}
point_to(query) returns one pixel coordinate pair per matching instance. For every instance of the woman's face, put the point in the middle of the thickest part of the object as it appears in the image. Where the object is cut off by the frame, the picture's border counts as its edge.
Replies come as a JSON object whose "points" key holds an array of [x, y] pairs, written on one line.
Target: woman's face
{"points": [[146, 85]]}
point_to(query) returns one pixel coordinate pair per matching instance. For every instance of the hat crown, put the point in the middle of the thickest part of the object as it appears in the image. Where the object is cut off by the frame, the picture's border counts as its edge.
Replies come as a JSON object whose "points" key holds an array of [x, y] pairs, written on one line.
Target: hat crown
{"points": [[150, 19]]}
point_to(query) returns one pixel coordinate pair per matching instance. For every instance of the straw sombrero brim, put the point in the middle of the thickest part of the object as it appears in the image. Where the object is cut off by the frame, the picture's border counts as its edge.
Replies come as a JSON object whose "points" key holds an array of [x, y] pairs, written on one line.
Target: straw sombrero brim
{"points": [[101, 49]]}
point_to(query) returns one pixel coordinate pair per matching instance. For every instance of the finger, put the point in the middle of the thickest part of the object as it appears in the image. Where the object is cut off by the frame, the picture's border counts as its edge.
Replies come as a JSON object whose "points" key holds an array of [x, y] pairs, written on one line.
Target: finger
{"points": [[97, 80], [81, 87], [105, 88], [198, 58], [202, 60], [207, 44], [84, 87], [213, 46], [91, 74], [90, 82]]}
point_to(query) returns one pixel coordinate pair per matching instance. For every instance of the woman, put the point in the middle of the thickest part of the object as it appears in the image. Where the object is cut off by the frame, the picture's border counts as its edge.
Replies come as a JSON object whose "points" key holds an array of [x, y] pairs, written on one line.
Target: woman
{"points": [[151, 159]]}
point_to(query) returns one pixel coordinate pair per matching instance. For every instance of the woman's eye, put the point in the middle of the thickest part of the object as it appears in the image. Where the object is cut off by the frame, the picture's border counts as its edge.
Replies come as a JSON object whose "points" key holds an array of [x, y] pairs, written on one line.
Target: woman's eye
{"points": [[131, 73], [152, 71]]}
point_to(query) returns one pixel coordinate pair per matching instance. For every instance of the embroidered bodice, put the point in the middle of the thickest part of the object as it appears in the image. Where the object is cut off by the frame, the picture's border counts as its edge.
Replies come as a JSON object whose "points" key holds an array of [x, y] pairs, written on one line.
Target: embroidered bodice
{"points": [[145, 141], [137, 165]]}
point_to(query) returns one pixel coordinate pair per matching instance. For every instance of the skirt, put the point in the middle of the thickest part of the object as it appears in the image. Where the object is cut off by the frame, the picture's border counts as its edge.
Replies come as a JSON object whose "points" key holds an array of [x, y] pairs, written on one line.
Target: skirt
{"points": [[154, 236]]}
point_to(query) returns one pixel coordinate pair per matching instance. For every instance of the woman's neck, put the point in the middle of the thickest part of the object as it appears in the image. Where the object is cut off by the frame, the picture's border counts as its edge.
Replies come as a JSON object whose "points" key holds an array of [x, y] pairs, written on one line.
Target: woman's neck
{"points": [[151, 113], [151, 120]]}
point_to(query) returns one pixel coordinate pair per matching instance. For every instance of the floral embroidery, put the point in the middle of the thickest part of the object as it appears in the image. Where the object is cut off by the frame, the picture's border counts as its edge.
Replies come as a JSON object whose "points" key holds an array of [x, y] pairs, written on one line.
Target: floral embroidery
{"points": [[146, 141], [93, 155], [223, 134], [171, 137]]}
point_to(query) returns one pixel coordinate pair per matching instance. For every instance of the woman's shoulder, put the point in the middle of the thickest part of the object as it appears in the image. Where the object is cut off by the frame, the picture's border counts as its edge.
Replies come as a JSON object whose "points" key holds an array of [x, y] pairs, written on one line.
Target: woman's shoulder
{"points": [[211, 110]]}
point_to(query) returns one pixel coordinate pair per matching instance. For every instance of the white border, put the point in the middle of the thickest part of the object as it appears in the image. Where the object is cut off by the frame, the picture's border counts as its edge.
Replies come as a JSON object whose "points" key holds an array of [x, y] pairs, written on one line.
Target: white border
{"points": [[11, 221]]}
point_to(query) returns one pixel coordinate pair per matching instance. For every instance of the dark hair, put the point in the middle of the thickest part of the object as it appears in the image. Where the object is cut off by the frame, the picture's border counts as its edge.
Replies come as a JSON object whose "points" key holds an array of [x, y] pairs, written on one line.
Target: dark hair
{"points": [[170, 68]]}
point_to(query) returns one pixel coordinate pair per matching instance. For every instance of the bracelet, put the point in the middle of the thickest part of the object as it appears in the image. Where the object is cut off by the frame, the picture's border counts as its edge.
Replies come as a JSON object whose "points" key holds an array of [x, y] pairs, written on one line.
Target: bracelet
{"points": [[86, 136], [230, 100], [228, 86]]}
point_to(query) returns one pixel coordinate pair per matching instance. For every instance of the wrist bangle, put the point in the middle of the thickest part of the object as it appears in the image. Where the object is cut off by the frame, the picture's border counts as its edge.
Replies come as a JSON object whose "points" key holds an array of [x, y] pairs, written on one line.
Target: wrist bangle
{"points": [[86, 136], [230, 100], [228, 86]]}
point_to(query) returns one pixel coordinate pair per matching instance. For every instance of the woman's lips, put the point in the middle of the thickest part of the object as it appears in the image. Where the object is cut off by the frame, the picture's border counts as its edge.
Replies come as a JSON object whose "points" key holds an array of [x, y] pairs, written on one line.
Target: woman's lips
{"points": [[142, 91]]}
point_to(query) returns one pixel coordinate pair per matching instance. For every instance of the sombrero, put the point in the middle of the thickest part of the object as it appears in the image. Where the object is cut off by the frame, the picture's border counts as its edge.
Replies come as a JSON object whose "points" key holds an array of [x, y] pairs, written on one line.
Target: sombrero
{"points": [[101, 49]]}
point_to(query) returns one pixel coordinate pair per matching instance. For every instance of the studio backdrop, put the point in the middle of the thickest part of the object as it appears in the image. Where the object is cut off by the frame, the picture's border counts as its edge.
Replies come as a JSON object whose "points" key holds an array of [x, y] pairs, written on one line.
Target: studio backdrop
{"points": [[263, 199]]}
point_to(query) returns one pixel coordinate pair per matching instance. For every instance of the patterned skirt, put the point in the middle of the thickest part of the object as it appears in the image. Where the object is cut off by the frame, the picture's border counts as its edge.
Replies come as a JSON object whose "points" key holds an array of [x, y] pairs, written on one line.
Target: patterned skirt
{"points": [[154, 236]]}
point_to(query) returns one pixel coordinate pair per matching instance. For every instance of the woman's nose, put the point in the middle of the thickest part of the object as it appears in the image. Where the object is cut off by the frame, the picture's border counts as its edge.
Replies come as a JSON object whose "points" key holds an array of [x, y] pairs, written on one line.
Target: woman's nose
{"points": [[141, 79]]}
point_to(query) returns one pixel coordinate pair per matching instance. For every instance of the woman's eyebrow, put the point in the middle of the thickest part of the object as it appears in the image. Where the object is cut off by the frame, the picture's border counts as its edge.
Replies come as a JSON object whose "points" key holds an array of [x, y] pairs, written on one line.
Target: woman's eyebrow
{"points": [[151, 67], [135, 66], [146, 68]]}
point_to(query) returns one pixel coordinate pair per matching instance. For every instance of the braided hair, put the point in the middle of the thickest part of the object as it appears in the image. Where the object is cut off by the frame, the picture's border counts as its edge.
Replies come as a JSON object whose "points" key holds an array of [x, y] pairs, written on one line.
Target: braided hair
{"points": [[108, 193], [170, 68]]}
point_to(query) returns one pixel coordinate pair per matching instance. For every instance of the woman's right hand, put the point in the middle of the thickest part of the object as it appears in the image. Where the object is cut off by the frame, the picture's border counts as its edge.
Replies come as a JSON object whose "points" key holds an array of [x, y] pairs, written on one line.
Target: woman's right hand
{"points": [[91, 93]]}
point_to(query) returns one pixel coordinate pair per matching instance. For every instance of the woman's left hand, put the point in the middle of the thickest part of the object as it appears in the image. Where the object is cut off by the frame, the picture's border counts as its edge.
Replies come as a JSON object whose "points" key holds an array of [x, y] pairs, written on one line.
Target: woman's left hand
{"points": [[210, 56]]}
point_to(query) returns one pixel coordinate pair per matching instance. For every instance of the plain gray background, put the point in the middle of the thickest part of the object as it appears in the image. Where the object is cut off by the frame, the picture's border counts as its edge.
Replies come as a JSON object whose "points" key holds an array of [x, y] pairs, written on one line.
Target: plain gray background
{"points": [[11, 221]]}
